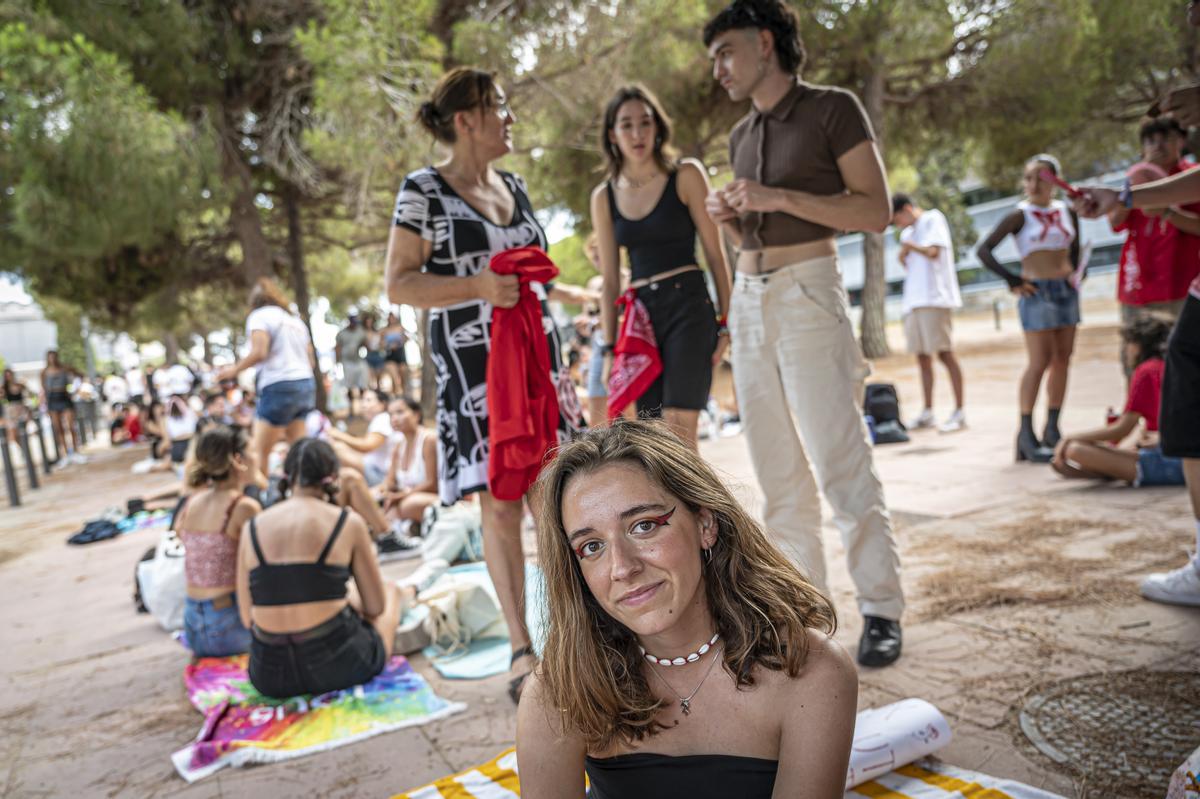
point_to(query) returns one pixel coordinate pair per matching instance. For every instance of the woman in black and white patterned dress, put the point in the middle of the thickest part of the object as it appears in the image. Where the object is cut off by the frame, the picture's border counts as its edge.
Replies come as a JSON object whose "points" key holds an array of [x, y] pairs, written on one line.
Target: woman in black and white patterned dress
{"points": [[450, 220]]}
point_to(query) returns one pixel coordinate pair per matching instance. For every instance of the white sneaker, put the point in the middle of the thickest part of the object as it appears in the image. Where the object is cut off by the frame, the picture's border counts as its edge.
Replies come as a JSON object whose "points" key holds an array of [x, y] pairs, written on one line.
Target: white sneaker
{"points": [[78, 458], [955, 422], [923, 421], [1178, 587]]}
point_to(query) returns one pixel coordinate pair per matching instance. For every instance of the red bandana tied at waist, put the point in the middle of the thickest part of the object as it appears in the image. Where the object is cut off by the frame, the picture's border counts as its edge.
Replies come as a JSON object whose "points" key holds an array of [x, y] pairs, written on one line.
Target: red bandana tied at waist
{"points": [[522, 402], [636, 362]]}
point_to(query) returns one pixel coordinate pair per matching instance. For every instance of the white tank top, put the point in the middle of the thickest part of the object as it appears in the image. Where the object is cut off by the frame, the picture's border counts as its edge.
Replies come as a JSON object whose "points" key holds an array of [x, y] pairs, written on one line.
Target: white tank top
{"points": [[414, 475], [1045, 228]]}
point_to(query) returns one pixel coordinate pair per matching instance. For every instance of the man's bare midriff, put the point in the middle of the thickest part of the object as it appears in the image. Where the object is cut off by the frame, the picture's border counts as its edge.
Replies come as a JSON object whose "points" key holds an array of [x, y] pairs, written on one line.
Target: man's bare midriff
{"points": [[757, 262], [1046, 265]]}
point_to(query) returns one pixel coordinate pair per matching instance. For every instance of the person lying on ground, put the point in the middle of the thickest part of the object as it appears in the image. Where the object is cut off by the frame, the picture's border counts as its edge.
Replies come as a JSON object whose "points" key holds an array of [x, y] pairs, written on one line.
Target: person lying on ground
{"points": [[312, 632], [1094, 454], [676, 629], [209, 523]]}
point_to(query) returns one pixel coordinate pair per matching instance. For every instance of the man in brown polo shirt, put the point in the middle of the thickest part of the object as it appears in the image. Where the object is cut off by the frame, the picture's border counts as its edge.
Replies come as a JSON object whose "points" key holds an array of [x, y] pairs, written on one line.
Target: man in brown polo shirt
{"points": [[805, 167]]}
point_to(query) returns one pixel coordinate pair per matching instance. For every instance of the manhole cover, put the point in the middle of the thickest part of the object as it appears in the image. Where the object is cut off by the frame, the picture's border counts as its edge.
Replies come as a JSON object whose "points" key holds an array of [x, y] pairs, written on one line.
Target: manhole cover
{"points": [[1126, 731]]}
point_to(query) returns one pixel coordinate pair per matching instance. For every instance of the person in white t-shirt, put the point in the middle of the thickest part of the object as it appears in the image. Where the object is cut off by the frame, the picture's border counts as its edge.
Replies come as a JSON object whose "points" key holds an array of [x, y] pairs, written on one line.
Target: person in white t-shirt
{"points": [[281, 348], [930, 296], [370, 453], [137, 385], [116, 390]]}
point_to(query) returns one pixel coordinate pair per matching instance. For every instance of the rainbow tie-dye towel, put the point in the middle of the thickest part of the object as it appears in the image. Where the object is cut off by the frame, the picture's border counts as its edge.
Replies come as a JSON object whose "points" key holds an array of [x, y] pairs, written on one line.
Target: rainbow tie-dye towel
{"points": [[241, 726]]}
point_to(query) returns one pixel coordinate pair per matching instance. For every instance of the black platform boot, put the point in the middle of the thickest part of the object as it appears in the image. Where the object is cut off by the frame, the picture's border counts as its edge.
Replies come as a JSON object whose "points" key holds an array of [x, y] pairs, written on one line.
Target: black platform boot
{"points": [[1051, 437], [1028, 447]]}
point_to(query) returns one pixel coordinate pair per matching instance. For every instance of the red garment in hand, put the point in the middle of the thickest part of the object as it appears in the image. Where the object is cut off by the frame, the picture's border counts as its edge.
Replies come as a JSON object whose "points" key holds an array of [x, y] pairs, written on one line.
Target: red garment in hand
{"points": [[521, 399], [636, 362]]}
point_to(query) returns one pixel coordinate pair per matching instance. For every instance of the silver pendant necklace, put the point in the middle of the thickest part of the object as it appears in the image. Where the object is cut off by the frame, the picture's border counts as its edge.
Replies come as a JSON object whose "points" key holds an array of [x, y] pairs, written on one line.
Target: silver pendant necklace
{"points": [[685, 702]]}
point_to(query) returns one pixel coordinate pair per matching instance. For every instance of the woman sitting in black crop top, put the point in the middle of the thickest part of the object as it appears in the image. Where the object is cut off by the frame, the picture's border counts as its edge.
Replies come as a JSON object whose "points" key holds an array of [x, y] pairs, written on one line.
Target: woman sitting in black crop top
{"points": [[685, 654], [653, 206], [311, 632]]}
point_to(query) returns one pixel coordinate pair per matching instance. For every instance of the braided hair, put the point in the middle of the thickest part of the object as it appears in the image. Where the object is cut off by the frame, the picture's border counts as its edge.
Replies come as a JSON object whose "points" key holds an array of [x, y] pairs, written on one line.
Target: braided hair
{"points": [[310, 462]]}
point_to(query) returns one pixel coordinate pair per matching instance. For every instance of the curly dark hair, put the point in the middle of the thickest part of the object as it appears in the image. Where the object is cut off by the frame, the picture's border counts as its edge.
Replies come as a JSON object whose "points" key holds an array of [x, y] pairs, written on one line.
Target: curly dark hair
{"points": [[1150, 334], [771, 15]]}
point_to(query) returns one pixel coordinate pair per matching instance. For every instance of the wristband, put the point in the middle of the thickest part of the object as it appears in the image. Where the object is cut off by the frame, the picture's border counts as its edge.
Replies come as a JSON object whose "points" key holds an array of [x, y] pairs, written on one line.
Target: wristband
{"points": [[1125, 198]]}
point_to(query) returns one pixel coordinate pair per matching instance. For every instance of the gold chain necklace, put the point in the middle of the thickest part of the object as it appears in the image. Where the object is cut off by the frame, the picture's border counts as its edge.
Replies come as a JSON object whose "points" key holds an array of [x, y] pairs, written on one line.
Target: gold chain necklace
{"points": [[685, 702]]}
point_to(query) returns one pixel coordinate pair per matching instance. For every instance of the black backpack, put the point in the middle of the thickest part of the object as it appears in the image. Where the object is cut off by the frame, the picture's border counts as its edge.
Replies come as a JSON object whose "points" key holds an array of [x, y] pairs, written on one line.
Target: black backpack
{"points": [[882, 403]]}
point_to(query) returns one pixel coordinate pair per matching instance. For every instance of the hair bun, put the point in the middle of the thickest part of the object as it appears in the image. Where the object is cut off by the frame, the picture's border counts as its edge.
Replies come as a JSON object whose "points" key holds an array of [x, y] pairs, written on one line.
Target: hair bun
{"points": [[428, 112]]}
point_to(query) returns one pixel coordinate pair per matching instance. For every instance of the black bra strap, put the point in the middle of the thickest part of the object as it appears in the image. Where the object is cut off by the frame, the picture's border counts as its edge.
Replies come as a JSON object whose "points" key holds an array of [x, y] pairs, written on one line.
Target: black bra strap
{"points": [[254, 540], [333, 536]]}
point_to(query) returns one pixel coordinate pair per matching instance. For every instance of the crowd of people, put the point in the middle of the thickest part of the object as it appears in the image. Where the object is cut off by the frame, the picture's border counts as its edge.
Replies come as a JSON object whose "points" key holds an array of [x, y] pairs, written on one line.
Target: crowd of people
{"points": [[677, 625]]}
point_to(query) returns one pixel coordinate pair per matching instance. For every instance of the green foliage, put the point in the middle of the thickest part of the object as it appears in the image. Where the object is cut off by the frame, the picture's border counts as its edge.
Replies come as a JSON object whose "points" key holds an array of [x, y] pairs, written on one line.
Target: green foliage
{"points": [[574, 268]]}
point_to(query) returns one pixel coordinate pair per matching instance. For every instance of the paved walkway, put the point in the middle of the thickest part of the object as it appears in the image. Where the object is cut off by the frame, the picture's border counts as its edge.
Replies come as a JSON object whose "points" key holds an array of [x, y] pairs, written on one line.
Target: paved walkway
{"points": [[1014, 577]]}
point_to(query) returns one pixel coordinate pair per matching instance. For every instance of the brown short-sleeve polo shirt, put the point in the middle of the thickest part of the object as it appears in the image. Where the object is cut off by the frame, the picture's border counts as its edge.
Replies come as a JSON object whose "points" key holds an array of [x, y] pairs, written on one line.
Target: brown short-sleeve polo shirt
{"points": [[795, 145]]}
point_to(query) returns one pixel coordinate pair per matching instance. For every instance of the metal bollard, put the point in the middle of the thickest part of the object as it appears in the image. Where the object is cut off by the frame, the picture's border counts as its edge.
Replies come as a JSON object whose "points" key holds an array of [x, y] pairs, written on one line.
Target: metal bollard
{"points": [[996, 312], [41, 437], [10, 474], [23, 440]]}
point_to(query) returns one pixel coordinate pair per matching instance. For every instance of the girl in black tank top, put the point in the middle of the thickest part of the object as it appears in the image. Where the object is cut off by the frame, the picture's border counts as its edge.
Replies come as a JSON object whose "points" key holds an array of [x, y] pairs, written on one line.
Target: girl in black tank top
{"points": [[350, 645], [689, 332]]}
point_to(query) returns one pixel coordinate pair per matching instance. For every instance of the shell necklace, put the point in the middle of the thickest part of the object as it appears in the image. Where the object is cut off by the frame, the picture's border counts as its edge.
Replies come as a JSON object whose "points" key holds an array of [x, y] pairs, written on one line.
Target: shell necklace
{"points": [[684, 660]]}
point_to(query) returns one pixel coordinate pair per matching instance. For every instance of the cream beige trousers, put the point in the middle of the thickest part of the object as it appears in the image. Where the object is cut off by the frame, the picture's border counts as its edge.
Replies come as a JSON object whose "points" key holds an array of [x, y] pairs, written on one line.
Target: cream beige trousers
{"points": [[799, 375]]}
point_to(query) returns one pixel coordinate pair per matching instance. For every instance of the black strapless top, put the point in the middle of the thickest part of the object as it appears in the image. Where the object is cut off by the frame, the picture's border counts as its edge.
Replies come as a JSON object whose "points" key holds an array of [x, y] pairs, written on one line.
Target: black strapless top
{"points": [[691, 776]]}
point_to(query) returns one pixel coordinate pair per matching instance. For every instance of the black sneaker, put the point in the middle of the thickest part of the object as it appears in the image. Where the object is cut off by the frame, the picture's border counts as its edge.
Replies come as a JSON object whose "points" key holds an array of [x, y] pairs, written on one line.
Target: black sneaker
{"points": [[393, 547], [880, 642]]}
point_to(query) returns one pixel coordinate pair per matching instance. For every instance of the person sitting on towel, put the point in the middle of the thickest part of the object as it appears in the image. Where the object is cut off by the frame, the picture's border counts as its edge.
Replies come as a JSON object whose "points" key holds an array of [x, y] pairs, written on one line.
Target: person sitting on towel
{"points": [[685, 654], [312, 633], [209, 523]]}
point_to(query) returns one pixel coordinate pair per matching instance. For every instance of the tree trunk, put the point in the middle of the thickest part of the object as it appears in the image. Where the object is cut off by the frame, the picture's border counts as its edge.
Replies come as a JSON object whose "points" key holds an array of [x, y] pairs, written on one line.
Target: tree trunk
{"points": [[171, 346], [874, 292], [244, 219], [295, 253]]}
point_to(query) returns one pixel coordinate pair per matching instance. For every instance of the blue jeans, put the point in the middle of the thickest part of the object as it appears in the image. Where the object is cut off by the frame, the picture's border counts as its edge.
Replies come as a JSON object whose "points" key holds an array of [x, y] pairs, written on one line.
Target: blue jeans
{"points": [[280, 404], [596, 387], [1156, 469], [213, 632]]}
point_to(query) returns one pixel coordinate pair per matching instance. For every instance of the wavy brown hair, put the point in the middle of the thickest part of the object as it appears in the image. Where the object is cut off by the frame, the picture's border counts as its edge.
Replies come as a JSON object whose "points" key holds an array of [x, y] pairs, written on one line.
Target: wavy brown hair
{"points": [[761, 604]]}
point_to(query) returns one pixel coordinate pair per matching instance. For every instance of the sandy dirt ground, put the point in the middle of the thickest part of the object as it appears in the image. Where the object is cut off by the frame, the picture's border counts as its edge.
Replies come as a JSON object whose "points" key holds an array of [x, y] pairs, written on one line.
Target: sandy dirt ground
{"points": [[1015, 580]]}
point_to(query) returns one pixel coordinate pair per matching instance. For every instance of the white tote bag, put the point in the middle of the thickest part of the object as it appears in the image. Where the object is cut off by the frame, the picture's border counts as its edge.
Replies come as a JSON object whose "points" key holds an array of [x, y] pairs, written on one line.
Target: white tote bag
{"points": [[163, 583]]}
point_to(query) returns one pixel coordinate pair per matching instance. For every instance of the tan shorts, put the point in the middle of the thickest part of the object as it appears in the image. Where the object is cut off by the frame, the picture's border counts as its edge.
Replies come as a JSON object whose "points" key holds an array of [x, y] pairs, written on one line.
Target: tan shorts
{"points": [[928, 331]]}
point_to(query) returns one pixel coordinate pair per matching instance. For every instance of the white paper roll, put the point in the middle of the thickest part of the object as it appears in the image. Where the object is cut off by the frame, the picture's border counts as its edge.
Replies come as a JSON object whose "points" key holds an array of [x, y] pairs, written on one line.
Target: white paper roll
{"points": [[892, 736]]}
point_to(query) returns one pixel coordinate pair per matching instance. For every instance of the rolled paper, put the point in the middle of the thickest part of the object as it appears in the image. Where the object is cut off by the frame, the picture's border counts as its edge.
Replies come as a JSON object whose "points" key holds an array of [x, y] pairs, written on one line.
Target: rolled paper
{"points": [[892, 736]]}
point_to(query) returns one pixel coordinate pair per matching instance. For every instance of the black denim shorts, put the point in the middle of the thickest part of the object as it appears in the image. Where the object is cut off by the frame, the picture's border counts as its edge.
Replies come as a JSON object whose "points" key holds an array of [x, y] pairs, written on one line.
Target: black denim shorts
{"points": [[685, 326], [341, 653]]}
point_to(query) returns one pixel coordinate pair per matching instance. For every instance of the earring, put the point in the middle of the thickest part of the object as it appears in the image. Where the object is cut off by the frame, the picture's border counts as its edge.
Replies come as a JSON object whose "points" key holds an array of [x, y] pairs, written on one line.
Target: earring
{"points": [[707, 554]]}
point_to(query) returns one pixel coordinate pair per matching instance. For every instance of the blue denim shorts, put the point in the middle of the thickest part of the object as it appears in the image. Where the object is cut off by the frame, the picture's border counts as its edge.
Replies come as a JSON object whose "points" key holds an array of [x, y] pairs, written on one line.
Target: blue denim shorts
{"points": [[596, 387], [1056, 304], [1157, 469], [280, 404], [213, 633]]}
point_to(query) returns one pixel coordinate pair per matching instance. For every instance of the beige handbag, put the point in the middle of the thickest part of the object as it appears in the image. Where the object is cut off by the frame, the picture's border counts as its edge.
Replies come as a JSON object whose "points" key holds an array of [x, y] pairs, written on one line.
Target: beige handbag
{"points": [[460, 613]]}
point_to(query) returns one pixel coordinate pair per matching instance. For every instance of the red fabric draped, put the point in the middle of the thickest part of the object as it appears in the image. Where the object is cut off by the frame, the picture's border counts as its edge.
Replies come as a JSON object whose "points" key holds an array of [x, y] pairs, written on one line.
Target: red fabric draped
{"points": [[636, 362], [521, 399]]}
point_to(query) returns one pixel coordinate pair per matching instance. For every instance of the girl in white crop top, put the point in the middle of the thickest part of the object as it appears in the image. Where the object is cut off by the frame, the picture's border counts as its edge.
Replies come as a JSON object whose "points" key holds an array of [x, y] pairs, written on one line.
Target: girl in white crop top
{"points": [[1045, 227], [1045, 230]]}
